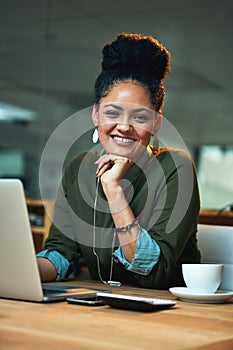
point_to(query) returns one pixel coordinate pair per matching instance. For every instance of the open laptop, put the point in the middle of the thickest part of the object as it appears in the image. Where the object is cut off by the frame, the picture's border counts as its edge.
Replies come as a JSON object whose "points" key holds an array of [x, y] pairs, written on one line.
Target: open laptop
{"points": [[19, 274]]}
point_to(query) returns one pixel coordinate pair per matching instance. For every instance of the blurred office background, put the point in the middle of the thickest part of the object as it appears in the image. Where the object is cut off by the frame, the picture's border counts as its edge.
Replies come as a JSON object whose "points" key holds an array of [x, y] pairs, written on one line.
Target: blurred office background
{"points": [[50, 56]]}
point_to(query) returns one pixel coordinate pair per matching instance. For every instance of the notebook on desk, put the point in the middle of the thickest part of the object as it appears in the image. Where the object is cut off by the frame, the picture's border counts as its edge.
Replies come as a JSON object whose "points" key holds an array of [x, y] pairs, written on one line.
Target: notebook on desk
{"points": [[19, 274]]}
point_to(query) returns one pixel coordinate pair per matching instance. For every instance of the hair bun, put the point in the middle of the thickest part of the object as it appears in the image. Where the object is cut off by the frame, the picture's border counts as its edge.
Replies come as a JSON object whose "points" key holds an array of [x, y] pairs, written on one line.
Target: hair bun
{"points": [[136, 53]]}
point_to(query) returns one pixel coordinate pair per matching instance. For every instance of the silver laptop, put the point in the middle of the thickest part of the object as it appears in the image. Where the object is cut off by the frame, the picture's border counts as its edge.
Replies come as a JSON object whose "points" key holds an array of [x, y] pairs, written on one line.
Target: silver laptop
{"points": [[19, 274]]}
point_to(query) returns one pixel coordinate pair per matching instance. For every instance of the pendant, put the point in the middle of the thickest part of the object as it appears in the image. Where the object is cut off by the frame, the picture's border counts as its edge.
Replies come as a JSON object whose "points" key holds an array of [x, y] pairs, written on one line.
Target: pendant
{"points": [[114, 283]]}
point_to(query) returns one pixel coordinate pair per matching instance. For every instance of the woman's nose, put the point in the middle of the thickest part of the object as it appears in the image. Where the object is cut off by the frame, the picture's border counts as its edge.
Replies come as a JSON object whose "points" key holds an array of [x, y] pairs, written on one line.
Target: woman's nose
{"points": [[124, 127]]}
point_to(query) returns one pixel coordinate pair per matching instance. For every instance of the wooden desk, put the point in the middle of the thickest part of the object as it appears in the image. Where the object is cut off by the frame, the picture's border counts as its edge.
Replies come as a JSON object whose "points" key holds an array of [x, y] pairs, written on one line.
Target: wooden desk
{"points": [[216, 217], [26, 325]]}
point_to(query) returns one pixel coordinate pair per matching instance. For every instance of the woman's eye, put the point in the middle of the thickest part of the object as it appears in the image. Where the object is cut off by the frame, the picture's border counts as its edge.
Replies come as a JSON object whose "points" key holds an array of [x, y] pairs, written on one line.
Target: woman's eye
{"points": [[112, 113], [140, 118]]}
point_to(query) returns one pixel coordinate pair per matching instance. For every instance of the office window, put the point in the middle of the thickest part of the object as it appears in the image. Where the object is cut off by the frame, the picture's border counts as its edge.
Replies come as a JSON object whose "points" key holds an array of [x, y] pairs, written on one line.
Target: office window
{"points": [[215, 175], [11, 164]]}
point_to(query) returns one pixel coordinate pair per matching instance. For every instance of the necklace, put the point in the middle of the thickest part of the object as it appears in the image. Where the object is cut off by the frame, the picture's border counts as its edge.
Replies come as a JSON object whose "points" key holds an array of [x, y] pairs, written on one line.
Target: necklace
{"points": [[110, 282]]}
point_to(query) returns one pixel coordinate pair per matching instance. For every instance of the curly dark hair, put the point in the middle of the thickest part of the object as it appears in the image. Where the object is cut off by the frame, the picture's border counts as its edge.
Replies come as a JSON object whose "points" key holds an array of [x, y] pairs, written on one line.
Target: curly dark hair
{"points": [[138, 58]]}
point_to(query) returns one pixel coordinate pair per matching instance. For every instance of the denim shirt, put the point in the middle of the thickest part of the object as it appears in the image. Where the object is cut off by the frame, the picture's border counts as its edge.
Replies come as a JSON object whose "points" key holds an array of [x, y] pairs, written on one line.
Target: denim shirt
{"points": [[145, 257]]}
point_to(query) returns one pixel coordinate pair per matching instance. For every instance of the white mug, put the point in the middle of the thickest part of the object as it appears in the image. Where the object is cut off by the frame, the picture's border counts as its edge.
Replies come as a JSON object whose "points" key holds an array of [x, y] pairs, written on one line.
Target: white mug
{"points": [[202, 278]]}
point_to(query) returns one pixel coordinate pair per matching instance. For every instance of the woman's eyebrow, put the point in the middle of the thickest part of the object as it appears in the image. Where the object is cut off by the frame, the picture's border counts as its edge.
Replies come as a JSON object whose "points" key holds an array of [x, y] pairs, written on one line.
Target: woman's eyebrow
{"points": [[114, 106], [142, 109]]}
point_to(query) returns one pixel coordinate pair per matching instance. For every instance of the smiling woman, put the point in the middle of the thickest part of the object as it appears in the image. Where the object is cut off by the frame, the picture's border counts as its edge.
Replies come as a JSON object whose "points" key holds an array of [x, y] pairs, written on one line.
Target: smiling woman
{"points": [[126, 120], [130, 209]]}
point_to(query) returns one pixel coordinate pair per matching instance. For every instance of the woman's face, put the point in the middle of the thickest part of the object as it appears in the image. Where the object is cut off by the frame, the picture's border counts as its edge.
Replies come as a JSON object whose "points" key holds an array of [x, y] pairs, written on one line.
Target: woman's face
{"points": [[126, 120]]}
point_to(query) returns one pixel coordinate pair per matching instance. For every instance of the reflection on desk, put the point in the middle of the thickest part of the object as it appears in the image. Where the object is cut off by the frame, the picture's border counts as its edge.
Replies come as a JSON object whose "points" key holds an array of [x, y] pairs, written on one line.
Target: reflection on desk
{"points": [[27, 325]]}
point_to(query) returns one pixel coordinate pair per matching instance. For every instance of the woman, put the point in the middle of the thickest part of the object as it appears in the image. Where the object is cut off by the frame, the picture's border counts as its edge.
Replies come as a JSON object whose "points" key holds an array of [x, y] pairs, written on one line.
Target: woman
{"points": [[130, 210]]}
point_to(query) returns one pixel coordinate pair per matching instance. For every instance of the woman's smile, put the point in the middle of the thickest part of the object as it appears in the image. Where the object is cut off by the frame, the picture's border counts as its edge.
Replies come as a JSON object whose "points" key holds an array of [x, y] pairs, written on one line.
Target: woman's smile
{"points": [[119, 139]]}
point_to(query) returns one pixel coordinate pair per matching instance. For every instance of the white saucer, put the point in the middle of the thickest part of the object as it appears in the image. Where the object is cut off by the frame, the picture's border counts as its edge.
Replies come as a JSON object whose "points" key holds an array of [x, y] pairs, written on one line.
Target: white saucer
{"points": [[186, 295]]}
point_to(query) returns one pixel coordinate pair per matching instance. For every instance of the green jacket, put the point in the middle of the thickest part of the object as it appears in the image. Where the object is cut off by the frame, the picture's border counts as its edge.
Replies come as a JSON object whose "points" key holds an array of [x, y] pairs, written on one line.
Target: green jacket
{"points": [[163, 193]]}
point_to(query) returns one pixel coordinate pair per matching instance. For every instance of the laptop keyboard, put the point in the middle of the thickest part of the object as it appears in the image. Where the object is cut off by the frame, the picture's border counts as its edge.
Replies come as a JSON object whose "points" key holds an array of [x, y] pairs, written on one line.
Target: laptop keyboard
{"points": [[55, 289], [52, 291]]}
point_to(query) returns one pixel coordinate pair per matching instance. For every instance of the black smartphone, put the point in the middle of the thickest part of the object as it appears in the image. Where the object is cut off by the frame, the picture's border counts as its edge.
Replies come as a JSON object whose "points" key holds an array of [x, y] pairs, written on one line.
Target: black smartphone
{"points": [[86, 299], [132, 302]]}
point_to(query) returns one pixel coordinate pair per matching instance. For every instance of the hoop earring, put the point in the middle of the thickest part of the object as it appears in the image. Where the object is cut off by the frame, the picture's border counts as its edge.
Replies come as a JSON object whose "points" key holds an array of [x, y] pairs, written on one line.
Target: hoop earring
{"points": [[95, 136]]}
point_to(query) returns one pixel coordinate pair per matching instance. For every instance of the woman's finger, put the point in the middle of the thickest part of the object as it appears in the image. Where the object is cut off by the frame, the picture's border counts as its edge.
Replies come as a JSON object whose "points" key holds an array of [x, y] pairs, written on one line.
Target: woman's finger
{"points": [[103, 168]]}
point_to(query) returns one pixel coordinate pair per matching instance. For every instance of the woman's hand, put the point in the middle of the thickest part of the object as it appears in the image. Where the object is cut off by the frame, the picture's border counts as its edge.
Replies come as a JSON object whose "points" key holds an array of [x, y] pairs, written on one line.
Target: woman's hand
{"points": [[112, 168], [47, 270]]}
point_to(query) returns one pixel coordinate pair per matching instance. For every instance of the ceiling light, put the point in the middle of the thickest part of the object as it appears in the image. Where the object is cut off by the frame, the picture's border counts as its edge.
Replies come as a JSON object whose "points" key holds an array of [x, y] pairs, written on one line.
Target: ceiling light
{"points": [[13, 113]]}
